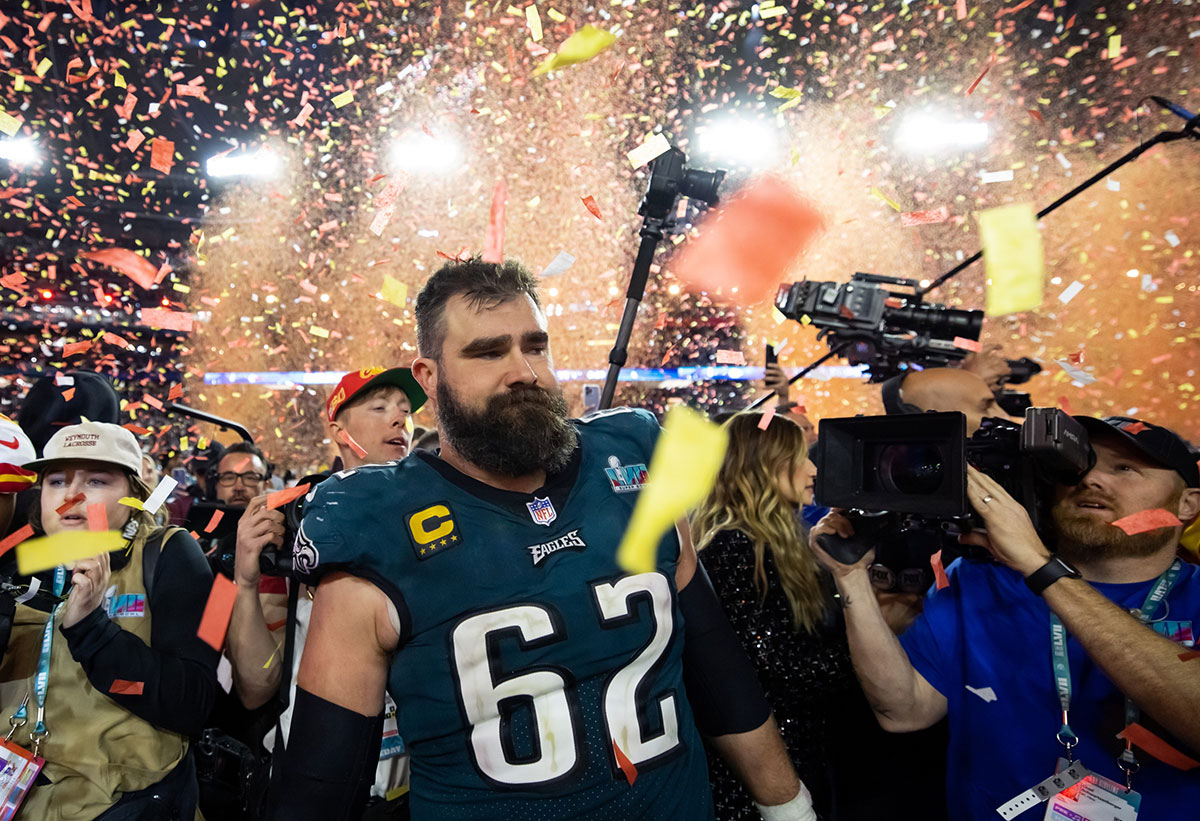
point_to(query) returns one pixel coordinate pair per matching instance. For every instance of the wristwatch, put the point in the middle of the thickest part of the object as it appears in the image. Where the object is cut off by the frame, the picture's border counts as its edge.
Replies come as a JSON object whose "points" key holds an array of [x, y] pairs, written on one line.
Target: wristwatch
{"points": [[1049, 573]]}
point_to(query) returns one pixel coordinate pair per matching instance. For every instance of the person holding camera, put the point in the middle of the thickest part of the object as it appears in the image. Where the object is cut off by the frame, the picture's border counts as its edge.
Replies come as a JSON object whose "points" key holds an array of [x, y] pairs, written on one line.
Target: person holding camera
{"points": [[368, 416], [1064, 652], [480, 588], [106, 677]]}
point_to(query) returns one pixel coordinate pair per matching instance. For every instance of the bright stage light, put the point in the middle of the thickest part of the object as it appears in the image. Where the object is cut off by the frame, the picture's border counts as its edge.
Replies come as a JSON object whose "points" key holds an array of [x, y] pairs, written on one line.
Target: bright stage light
{"points": [[738, 141], [418, 153], [930, 132], [20, 151], [260, 163]]}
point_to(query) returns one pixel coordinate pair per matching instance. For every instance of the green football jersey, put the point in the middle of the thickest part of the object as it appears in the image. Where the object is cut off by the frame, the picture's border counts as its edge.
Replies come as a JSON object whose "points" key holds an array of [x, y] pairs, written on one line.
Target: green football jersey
{"points": [[535, 679]]}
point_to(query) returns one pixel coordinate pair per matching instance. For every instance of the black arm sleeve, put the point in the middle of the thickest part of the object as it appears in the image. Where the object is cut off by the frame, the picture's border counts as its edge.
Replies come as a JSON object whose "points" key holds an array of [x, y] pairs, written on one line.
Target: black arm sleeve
{"points": [[722, 685], [329, 764], [179, 671]]}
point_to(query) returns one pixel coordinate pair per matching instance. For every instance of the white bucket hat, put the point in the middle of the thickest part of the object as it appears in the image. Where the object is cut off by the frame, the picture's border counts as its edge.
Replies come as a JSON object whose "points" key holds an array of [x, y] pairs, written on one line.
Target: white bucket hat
{"points": [[92, 442]]}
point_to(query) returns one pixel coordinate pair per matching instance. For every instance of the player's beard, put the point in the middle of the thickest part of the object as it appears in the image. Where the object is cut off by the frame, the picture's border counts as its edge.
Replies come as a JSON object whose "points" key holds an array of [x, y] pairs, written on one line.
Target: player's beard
{"points": [[517, 433], [1082, 537]]}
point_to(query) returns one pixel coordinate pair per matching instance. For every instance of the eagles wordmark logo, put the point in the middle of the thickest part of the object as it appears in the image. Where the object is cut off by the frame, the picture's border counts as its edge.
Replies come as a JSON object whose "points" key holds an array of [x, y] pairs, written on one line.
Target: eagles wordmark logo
{"points": [[541, 551]]}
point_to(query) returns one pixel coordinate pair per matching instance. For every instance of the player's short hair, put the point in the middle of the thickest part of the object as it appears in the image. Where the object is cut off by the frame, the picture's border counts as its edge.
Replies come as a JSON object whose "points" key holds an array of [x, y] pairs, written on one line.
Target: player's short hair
{"points": [[483, 284]]}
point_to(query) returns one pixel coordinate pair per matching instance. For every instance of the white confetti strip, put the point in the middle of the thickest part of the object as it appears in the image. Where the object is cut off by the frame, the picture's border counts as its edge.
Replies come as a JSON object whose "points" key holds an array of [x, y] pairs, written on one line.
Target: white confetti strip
{"points": [[996, 176], [559, 265], [160, 494], [1071, 292]]}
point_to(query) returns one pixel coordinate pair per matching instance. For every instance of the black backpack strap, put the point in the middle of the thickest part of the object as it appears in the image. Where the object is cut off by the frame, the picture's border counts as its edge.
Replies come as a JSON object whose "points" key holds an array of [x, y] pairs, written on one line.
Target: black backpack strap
{"points": [[283, 695], [150, 553]]}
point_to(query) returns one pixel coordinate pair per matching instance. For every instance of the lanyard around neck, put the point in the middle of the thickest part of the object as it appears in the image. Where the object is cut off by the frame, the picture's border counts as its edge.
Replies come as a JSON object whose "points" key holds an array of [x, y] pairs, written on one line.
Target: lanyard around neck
{"points": [[1062, 667]]}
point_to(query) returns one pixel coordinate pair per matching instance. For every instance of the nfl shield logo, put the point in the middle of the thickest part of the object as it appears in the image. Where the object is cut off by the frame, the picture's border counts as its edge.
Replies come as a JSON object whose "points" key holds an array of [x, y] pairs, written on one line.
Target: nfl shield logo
{"points": [[542, 511]]}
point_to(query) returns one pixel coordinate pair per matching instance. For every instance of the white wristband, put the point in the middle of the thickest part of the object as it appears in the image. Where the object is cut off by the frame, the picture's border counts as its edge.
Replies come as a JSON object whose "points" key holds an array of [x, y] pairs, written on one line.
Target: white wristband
{"points": [[799, 808]]}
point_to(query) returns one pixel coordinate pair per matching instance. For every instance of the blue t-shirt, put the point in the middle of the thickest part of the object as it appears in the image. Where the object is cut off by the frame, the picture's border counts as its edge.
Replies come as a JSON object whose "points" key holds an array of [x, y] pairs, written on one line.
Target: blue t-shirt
{"points": [[535, 679], [987, 630]]}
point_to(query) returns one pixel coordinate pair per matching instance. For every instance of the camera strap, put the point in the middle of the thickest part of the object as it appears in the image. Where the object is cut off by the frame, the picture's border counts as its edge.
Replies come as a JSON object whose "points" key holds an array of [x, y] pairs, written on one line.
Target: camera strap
{"points": [[1062, 672]]}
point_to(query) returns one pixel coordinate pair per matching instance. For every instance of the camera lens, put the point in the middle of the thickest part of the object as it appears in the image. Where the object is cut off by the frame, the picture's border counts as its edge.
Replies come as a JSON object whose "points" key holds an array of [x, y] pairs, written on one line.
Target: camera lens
{"points": [[911, 468]]}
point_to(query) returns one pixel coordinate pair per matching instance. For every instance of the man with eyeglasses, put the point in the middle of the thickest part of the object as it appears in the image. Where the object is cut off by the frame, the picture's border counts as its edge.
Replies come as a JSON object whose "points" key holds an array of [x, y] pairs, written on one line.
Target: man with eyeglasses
{"points": [[241, 474]]}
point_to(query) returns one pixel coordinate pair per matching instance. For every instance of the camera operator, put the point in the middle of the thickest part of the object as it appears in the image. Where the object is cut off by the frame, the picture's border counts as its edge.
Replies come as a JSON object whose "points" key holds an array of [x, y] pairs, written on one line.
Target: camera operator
{"points": [[941, 389], [978, 653], [368, 416], [241, 474]]}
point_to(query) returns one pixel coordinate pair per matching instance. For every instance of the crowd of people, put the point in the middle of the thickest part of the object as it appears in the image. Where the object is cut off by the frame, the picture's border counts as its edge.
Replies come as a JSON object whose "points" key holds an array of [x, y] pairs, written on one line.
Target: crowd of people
{"points": [[438, 627]]}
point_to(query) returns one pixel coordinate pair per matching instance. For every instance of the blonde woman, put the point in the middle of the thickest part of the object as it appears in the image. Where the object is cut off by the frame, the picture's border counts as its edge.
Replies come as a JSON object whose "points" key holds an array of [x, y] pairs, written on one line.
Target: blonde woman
{"points": [[776, 596]]}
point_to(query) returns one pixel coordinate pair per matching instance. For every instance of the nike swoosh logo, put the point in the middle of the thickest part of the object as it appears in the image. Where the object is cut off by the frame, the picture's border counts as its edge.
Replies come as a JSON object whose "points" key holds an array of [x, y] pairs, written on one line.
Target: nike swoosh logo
{"points": [[13, 445]]}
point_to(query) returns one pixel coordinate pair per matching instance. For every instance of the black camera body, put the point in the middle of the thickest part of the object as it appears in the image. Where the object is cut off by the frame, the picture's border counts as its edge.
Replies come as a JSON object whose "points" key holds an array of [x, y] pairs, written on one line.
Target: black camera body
{"points": [[275, 559], [904, 478], [884, 330]]}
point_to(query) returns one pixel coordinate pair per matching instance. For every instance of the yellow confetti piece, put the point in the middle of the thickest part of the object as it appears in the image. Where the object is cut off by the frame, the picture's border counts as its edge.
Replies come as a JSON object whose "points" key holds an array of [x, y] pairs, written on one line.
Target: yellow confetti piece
{"points": [[682, 471], [556, 15], [394, 291], [884, 197], [1012, 252], [648, 150], [36, 555], [9, 124], [778, 316], [774, 11], [580, 47], [343, 98], [534, 21], [318, 331], [43, 67], [791, 95], [408, 425], [129, 501], [1114, 46], [118, 80]]}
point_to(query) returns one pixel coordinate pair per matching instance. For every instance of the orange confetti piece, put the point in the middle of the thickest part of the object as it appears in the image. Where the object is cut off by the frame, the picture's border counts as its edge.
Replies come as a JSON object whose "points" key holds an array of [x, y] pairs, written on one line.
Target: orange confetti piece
{"points": [[162, 155], [968, 344], [214, 521], [70, 503], [750, 242], [939, 572], [281, 497], [134, 266], [625, 764], [121, 687], [1142, 738], [348, 440], [1146, 520], [767, 415], [991, 61], [493, 241], [15, 538], [136, 430], [730, 358], [97, 516], [931, 217], [589, 202], [217, 612], [76, 348]]}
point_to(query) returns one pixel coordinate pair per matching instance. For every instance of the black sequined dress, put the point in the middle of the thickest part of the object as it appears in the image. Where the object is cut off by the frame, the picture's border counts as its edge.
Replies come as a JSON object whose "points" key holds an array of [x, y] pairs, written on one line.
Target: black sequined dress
{"points": [[807, 677]]}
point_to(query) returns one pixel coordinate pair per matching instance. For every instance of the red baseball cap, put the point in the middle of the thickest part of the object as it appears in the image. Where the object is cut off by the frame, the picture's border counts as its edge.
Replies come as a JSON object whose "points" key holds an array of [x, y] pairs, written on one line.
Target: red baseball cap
{"points": [[356, 382]]}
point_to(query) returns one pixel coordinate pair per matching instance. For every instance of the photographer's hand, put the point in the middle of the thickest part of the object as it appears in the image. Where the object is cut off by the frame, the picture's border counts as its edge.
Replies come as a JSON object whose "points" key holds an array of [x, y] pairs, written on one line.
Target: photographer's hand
{"points": [[835, 524], [257, 528], [776, 380], [251, 646], [1010, 535], [89, 580]]}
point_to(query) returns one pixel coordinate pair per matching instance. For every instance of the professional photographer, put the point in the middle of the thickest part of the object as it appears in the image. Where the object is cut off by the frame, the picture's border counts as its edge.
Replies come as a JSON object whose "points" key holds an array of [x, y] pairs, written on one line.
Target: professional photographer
{"points": [[941, 389], [979, 651], [368, 415], [106, 676]]}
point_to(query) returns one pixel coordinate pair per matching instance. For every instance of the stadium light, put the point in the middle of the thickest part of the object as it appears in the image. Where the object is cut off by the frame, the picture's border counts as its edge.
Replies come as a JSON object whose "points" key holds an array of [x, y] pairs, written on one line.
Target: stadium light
{"points": [[749, 142], [20, 151], [260, 163], [419, 153], [925, 132]]}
